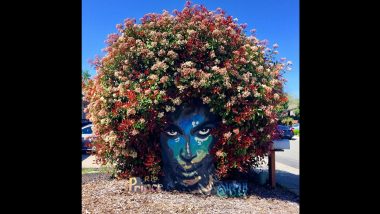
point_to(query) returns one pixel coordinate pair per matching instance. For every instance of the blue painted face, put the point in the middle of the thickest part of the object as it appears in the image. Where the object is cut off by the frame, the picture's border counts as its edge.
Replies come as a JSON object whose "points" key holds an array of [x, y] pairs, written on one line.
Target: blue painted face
{"points": [[186, 142], [190, 139]]}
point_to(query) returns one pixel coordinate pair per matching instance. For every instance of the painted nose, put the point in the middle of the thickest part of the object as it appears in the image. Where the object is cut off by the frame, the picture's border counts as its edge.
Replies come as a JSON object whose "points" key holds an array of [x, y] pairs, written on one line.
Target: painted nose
{"points": [[186, 154]]}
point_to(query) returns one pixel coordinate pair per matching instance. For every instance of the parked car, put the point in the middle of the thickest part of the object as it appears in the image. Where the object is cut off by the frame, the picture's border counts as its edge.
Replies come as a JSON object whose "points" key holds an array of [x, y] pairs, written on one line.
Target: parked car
{"points": [[286, 132], [296, 126], [86, 133], [85, 122]]}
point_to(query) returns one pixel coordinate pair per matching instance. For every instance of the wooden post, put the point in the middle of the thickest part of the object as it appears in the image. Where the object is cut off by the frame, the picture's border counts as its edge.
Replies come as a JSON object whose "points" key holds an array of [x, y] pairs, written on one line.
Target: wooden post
{"points": [[272, 168]]}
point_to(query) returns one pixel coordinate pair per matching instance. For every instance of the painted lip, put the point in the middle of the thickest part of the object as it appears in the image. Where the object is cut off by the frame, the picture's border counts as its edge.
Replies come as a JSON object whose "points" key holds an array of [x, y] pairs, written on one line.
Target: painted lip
{"points": [[193, 181], [194, 167], [190, 173]]}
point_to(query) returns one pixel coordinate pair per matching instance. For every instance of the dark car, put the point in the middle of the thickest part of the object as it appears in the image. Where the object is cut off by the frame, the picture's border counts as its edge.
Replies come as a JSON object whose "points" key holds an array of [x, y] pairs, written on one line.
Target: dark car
{"points": [[85, 122], [86, 134], [286, 132]]}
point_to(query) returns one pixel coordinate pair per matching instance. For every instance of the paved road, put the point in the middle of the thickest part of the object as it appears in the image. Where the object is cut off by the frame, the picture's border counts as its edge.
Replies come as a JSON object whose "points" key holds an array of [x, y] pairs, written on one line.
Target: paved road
{"points": [[290, 157], [287, 167]]}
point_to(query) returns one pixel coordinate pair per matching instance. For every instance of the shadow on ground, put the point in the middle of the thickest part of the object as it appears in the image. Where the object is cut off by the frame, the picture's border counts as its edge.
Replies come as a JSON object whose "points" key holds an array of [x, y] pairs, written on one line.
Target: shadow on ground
{"points": [[289, 180], [85, 156], [280, 193]]}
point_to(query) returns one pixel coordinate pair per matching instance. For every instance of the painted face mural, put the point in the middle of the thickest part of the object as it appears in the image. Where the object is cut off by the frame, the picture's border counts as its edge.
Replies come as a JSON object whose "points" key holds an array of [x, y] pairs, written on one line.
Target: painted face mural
{"points": [[186, 142]]}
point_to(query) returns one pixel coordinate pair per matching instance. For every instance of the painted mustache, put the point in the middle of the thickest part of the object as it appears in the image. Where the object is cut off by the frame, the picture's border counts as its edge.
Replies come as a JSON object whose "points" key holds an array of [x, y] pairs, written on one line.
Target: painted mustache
{"points": [[189, 172]]}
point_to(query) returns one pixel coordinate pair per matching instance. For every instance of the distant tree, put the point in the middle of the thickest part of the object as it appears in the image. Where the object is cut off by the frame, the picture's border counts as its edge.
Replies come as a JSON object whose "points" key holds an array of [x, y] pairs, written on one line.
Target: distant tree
{"points": [[293, 105], [292, 102], [85, 76], [297, 113], [287, 121]]}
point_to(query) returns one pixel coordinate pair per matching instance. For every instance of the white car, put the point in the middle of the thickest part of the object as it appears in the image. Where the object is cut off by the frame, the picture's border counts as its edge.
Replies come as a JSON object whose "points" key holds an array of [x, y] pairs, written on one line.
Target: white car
{"points": [[86, 134]]}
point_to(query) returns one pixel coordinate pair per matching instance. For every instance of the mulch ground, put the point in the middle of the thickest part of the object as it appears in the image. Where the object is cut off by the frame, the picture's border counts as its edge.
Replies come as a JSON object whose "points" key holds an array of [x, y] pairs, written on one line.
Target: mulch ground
{"points": [[101, 194]]}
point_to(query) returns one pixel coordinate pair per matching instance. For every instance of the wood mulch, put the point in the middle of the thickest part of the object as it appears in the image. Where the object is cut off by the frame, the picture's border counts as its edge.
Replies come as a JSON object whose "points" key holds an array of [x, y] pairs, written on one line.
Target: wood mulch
{"points": [[100, 194]]}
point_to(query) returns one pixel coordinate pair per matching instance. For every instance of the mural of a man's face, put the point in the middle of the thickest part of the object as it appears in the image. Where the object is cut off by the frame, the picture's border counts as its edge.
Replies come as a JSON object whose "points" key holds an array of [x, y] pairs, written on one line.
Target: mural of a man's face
{"points": [[186, 142]]}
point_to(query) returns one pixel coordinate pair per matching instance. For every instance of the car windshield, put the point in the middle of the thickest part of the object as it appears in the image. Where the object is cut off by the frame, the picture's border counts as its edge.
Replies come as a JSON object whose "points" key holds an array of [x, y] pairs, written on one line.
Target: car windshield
{"points": [[87, 130]]}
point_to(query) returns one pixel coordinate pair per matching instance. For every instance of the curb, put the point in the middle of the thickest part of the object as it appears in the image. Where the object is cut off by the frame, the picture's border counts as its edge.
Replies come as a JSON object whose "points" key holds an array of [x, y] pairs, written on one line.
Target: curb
{"points": [[283, 167], [295, 191]]}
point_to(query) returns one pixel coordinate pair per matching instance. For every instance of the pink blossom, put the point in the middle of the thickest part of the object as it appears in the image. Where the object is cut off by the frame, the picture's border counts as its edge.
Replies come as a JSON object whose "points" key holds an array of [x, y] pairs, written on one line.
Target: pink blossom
{"points": [[147, 91], [246, 94], [206, 100], [227, 135], [131, 112], [119, 27], [153, 77], [164, 79], [212, 54], [236, 131], [134, 132], [161, 114], [260, 68], [216, 32], [171, 54]]}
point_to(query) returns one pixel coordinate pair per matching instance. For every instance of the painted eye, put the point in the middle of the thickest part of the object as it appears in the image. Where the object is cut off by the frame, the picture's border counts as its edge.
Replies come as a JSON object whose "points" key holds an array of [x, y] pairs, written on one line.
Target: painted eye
{"points": [[204, 131], [171, 133]]}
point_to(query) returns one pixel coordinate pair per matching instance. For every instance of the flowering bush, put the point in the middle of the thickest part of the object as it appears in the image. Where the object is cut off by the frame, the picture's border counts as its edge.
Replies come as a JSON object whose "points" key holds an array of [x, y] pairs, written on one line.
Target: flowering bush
{"points": [[153, 67]]}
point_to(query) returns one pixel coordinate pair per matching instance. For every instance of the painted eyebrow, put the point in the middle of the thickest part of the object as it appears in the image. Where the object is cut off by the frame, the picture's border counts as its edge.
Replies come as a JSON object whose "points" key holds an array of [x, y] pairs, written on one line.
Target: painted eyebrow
{"points": [[200, 126], [173, 125]]}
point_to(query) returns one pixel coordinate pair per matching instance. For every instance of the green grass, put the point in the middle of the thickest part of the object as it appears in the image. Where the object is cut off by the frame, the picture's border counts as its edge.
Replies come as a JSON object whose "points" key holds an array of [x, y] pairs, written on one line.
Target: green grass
{"points": [[102, 169], [89, 170], [296, 132]]}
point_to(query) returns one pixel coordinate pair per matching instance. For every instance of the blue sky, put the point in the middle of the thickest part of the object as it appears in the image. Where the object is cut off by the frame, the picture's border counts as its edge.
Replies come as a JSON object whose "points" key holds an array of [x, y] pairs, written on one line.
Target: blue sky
{"points": [[274, 20]]}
